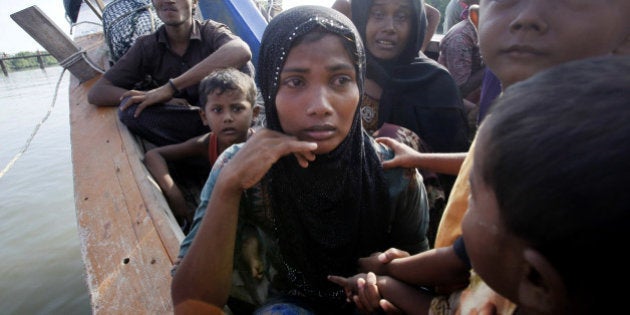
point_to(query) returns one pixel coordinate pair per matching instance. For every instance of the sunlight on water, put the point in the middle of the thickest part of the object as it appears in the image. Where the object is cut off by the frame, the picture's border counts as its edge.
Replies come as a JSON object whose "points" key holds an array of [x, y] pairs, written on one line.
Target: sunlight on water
{"points": [[41, 270]]}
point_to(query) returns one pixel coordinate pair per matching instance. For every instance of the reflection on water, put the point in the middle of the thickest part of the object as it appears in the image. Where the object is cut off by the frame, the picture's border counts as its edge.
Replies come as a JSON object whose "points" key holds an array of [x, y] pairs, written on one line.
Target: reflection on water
{"points": [[41, 267]]}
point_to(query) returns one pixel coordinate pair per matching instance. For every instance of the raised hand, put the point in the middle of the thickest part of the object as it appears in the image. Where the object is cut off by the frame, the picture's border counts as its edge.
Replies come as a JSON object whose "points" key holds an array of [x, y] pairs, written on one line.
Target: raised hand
{"points": [[260, 152]]}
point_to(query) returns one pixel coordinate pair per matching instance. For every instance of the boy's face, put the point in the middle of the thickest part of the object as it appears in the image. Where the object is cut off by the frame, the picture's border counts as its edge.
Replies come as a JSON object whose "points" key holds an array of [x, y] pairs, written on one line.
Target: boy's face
{"points": [[229, 115], [518, 38], [495, 253], [318, 94], [388, 28]]}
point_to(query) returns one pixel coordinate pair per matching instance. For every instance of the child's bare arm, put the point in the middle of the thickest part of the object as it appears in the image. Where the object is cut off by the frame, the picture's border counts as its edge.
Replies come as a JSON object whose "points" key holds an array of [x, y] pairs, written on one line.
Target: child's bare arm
{"points": [[439, 267], [157, 166], [156, 162], [405, 156]]}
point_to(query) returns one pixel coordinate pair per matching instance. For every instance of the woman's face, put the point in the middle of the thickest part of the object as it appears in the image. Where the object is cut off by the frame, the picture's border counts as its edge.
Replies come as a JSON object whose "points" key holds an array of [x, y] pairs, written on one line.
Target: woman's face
{"points": [[388, 28], [318, 94]]}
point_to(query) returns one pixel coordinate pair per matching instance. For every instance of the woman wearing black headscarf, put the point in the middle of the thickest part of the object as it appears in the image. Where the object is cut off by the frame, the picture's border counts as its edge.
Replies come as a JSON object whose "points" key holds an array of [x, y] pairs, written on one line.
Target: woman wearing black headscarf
{"points": [[417, 92], [408, 91], [312, 182]]}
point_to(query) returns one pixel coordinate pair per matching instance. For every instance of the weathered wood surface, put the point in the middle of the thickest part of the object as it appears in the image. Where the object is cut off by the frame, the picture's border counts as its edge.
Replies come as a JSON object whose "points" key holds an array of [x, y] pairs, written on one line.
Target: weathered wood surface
{"points": [[41, 28], [129, 238]]}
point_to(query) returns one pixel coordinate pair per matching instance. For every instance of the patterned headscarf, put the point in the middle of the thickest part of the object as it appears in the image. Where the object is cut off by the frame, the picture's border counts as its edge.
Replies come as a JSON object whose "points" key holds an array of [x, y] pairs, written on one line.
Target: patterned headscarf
{"points": [[335, 211]]}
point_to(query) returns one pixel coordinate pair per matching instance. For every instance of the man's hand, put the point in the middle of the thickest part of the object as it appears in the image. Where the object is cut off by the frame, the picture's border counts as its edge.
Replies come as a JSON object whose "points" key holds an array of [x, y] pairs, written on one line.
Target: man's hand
{"points": [[145, 99]]}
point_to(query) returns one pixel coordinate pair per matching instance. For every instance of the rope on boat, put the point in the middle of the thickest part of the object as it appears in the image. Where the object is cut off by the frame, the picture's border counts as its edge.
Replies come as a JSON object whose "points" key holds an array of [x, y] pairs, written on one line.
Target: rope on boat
{"points": [[28, 142], [74, 58]]}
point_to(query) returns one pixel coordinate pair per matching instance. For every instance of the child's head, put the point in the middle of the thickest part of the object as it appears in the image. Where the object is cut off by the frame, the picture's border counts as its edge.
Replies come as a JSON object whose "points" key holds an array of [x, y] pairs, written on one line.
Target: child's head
{"points": [[310, 73], [518, 38], [228, 98], [549, 211], [392, 30]]}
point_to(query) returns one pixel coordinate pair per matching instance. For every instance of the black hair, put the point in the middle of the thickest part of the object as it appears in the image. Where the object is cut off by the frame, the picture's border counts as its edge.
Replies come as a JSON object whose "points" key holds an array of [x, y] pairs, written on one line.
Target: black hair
{"points": [[228, 79], [556, 152]]}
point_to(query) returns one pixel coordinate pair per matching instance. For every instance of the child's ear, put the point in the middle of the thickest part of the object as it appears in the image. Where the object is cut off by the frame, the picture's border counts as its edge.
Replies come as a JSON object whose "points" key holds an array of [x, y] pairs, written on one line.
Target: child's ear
{"points": [[540, 288], [202, 113], [624, 48], [256, 111]]}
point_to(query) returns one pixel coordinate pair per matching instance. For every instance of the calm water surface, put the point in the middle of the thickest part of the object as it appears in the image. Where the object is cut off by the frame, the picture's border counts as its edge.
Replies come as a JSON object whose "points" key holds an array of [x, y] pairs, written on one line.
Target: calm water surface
{"points": [[41, 271]]}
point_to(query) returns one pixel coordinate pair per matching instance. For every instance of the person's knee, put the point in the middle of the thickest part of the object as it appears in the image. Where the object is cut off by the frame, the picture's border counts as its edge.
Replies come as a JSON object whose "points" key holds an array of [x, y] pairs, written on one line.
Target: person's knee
{"points": [[126, 115]]}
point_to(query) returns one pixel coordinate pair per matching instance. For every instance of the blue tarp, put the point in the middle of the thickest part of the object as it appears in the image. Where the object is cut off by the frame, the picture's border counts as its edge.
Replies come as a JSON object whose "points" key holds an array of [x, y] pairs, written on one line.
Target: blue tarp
{"points": [[243, 18]]}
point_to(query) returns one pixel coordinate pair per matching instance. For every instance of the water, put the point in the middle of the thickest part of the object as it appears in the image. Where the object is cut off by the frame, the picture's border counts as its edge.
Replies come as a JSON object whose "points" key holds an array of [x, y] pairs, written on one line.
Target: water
{"points": [[41, 270]]}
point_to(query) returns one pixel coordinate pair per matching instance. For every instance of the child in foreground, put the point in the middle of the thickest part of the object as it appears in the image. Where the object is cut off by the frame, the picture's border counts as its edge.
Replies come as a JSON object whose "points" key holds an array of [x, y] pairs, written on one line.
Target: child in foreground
{"points": [[228, 97], [548, 207]]}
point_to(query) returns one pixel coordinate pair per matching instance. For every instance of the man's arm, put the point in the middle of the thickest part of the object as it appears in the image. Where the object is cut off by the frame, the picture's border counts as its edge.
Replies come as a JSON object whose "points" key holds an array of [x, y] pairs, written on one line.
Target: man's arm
{"points": [[105, 93], [234, 53]]}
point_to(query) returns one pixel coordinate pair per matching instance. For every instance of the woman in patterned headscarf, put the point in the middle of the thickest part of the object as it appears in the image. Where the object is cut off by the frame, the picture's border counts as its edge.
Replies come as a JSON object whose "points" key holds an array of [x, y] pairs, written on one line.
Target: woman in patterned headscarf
{"points": [[311, 182]]}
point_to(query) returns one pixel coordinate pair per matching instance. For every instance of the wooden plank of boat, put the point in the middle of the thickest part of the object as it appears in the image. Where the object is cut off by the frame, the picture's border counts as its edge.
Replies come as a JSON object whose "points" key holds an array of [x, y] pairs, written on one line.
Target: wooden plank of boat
{"points": [[129, 238], [39, 26]]}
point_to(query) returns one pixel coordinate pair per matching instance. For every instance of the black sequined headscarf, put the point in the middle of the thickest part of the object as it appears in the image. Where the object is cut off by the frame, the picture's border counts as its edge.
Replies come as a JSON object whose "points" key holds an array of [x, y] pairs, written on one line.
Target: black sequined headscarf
{"points": [[335, 211]]}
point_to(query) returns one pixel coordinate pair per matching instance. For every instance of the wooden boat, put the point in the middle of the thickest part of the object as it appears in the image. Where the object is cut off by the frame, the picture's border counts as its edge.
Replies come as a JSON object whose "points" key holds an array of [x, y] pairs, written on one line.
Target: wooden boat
{"points": [[129, 236]]}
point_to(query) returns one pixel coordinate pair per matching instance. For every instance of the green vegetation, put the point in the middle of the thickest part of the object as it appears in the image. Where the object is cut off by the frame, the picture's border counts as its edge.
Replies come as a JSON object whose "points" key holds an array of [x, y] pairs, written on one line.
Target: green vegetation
{"points": [[26, 63]]}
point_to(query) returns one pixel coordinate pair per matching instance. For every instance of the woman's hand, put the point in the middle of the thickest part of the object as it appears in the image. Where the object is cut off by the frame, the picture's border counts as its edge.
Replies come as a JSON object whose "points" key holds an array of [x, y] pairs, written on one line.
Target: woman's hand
{"points": [[260, 152]]}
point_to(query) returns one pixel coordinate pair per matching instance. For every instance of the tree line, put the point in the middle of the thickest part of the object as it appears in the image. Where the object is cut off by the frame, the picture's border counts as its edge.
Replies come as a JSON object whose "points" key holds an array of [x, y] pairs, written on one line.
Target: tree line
{"points": [[26, 63]]}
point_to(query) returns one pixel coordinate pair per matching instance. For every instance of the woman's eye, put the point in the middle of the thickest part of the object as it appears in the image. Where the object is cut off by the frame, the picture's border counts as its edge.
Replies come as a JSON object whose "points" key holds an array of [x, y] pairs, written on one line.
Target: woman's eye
{"points": [[377, 14], [401, 17], [293, 82], [342, 80]]}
